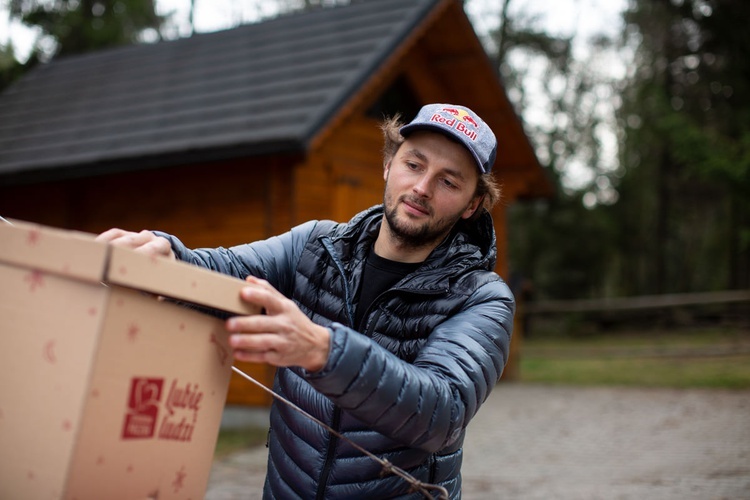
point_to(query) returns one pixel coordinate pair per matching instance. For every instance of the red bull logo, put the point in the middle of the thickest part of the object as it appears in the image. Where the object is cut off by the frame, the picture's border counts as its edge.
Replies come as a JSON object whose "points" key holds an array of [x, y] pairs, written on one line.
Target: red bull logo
{"points": [[457, 119]]}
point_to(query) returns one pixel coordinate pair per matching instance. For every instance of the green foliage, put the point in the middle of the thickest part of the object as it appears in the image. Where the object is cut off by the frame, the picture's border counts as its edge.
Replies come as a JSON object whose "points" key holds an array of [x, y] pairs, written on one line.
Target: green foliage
{"points": [[686, 120], [560, 247], [10, 67], [708, 153], [78, 26], [680, 218]]}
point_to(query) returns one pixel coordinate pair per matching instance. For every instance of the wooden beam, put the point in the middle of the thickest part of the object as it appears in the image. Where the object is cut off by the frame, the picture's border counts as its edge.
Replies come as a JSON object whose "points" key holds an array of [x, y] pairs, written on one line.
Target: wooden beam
{"points": [[637, 303]]}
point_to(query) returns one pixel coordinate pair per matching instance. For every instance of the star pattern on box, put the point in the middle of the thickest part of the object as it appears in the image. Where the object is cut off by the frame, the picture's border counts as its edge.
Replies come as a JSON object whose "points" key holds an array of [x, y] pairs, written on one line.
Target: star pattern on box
{"points": [[32, 238], [35, 279], [179, 480], [133, 331], [221, 351], [48, 353]]}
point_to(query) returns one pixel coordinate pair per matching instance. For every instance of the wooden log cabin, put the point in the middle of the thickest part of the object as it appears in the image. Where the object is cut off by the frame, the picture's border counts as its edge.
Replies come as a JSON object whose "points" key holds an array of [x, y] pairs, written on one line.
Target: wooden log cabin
{"points": [[228, 137]]}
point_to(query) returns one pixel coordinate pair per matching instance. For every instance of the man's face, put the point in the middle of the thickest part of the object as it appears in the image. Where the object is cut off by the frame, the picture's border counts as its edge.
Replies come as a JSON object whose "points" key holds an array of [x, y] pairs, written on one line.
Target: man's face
{"points": [[430, 185]]}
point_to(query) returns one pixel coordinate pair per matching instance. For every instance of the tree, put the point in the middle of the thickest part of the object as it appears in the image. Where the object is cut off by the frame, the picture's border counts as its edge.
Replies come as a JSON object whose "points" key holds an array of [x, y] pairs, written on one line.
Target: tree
{"points": [[560, 245], [79, 26], [686, 123], [674, 213], [10, 67]]}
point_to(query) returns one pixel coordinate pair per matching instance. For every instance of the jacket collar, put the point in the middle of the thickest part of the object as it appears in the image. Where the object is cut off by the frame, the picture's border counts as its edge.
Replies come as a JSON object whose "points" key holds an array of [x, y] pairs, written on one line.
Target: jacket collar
{"points": [[471, 245]]}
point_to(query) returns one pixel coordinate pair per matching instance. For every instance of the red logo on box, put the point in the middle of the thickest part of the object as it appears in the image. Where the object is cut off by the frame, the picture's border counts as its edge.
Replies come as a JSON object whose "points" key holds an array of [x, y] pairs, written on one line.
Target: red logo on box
{"points": [[143, 408], [181, 406]]}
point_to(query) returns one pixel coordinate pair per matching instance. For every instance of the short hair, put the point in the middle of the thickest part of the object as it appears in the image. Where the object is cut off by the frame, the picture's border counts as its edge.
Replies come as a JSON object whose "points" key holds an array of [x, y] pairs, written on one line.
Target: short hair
{"points": [[487, 186]]}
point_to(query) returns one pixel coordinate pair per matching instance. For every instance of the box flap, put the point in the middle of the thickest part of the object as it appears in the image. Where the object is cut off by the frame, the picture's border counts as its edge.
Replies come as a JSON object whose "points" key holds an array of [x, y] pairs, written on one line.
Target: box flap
{"points": [[78, 255], [58, 251], [177, 280]]}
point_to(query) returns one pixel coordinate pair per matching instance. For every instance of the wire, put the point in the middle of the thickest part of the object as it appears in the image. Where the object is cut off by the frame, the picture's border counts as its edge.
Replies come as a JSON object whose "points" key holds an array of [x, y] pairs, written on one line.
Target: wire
{"points": [[417, 486]]}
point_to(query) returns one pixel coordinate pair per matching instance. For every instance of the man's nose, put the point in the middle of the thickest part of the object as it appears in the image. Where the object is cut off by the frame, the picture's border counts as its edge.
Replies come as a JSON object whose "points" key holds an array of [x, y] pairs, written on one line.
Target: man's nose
{"points": [[423, 187]]}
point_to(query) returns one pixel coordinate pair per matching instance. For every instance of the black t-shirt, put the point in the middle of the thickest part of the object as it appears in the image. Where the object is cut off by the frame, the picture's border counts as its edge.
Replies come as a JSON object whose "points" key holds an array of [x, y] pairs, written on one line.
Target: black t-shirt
{"points": [[379, 275]]}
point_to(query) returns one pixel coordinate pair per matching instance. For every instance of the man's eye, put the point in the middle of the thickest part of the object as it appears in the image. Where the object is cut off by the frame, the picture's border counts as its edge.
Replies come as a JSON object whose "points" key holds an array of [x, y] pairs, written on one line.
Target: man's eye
{"points": [[412, 165]]}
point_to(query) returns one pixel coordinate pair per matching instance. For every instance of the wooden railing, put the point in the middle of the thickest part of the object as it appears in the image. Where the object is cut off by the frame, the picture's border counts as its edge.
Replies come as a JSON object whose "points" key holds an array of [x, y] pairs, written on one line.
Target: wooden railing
{"points": [[637, 303]]}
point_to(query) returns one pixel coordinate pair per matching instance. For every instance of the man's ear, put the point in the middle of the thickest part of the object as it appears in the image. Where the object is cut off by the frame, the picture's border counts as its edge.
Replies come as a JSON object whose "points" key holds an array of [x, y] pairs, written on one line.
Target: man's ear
{"points": [[474, 206], [386, 169]]}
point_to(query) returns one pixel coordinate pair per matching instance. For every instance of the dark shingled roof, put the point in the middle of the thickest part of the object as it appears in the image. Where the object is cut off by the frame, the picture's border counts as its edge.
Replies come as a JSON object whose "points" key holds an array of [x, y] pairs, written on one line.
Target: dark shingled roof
{"points": [[259, 88]]}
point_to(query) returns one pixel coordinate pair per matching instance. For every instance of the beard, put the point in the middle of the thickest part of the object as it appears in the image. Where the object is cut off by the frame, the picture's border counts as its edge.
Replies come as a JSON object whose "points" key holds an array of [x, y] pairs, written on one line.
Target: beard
{"points": [[412, 234]]}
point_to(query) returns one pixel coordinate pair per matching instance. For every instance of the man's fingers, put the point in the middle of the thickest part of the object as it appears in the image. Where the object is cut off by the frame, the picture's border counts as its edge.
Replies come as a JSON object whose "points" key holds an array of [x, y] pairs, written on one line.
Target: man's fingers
{"points": [[250, 357], [145, 241], [254, 341], [260, 283], [158, 246], [269, 357], [257, 348], [110, 235], [136, 240], [266, 297], [254, 324]]}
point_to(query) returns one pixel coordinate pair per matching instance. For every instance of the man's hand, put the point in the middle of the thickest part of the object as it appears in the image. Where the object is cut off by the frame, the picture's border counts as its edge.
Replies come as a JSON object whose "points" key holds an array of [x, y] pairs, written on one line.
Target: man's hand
{"points": [[145, 242], [284, 336]]}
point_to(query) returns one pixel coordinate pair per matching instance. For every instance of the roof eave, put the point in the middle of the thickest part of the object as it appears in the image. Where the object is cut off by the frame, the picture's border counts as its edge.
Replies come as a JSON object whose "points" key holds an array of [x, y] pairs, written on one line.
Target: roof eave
{"points": [[55, 173]]}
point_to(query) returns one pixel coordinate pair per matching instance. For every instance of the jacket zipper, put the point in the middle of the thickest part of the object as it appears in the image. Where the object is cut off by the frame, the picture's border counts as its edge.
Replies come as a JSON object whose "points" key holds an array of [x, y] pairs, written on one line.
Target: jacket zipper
{"points": [[336, 419], [330, 454], [333, 442]]}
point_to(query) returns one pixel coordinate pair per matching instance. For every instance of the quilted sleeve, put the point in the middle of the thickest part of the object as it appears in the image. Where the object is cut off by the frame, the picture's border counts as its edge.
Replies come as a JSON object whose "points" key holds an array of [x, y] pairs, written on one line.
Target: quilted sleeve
{"points": [[428, 403], [273, 259]]}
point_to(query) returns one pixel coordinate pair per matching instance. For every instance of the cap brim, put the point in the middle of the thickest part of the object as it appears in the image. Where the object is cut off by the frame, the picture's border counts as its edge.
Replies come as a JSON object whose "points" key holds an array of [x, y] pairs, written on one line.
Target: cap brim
{"points": [[413, 127]]}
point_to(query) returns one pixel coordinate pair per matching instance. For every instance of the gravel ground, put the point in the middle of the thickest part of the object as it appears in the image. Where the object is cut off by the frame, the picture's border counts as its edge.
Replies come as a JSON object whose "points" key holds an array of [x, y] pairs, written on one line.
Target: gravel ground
{"points": [[533, 442]]}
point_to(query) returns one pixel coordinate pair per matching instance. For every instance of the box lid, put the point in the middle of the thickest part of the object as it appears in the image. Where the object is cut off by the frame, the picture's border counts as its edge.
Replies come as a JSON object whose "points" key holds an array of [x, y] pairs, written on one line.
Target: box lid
{"points": [[67, 253], [177, 280], [78, 255]]}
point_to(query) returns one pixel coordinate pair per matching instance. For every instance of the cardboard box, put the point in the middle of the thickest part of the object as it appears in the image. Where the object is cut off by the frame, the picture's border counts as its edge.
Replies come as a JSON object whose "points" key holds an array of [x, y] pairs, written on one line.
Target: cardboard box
{"points": [[106, 389]]}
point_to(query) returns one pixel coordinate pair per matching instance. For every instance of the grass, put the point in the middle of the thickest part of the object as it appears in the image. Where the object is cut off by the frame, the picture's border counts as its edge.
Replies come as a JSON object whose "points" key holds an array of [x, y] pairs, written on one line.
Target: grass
{"points": [[232, 440], [708, 358]]}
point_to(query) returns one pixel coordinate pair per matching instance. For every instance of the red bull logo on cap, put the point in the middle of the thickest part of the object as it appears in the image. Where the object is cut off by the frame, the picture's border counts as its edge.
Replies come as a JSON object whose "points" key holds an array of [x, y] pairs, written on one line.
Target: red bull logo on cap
{"points": [[459, 120], [459, 123]]}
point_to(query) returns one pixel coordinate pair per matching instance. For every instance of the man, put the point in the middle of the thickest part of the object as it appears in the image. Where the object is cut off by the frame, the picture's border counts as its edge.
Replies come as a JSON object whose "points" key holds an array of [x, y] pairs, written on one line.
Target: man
{"points": [[392, 328]]}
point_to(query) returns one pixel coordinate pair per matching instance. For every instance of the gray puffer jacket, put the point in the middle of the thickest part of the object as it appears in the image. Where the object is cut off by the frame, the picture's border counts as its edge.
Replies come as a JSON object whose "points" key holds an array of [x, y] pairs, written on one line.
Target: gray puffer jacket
{"points": [[405, 388]]}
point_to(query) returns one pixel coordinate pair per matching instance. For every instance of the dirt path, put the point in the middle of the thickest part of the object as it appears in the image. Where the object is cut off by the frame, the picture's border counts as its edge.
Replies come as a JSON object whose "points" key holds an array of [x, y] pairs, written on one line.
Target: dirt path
{"points": [[538, 442]]}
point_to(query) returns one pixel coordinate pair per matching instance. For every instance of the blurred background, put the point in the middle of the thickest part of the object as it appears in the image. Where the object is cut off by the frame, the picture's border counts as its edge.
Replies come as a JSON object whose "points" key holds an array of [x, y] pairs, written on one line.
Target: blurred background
{"points": [[629, 254], [637, 110]]}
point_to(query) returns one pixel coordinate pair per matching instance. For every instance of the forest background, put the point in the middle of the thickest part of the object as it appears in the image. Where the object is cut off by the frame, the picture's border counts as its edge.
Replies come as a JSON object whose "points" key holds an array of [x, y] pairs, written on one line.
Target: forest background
{"points": [[651, 160]]}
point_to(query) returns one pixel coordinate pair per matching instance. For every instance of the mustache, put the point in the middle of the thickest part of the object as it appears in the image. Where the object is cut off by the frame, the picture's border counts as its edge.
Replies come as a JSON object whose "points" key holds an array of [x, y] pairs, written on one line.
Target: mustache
{"points": [[416, 201]]}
